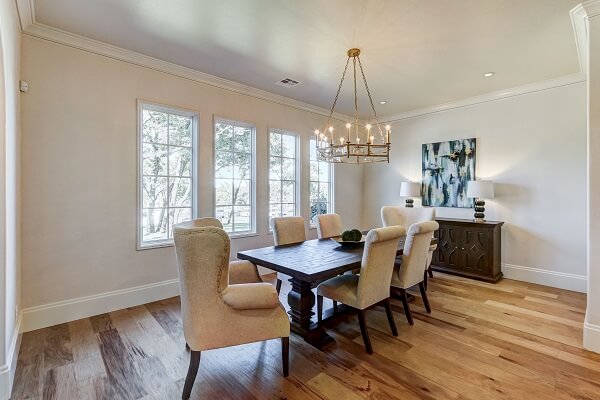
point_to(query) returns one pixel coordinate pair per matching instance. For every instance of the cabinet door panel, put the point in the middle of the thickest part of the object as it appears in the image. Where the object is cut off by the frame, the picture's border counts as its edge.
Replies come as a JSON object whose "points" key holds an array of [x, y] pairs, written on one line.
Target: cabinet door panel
{"points": [[476, 255], [448, 253]]}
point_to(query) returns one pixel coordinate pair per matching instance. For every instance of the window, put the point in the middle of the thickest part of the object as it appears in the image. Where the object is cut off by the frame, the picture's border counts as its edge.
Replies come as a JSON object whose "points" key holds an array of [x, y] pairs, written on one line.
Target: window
{"points": [[321, 185], [167, 169], [283, 174], [234, 176]]}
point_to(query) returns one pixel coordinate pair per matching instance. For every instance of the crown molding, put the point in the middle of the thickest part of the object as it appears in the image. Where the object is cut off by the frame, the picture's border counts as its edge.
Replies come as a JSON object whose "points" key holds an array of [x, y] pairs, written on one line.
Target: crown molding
{"points": [[26, 13], [493, 96], [580, 16], [59, 36]]}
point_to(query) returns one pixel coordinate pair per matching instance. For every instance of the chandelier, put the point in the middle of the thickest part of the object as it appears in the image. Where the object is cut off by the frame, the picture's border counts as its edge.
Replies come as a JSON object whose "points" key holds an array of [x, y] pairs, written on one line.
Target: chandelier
{"points": [[359, 143]]}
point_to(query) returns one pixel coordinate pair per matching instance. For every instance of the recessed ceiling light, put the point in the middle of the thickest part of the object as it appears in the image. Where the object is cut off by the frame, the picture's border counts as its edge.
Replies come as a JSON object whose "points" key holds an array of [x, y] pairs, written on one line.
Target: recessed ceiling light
{"points": [[488, 74], [382, 102]]}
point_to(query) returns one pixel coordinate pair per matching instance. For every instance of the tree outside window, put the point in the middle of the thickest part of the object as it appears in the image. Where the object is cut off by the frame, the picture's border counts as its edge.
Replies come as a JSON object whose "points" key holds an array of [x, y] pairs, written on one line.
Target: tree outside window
{"points": [[167, 172], [234, 160], [282, 174], [321, 185]]}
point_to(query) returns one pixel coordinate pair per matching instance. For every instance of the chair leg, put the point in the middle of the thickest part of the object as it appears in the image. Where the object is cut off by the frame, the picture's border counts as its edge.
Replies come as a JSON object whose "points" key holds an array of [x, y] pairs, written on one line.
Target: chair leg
{"points": [[430, 272], [425, 279], [390, 316], [335, 309], [405, 305], [191, 375], [285, 355], [319, 309], [278, 286], [424, 296], [363, 330]]}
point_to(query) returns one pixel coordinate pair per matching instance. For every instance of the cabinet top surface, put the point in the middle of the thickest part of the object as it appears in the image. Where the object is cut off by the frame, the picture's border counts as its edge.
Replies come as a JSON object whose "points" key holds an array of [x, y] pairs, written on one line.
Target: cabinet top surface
{"points": [[469, 221]]}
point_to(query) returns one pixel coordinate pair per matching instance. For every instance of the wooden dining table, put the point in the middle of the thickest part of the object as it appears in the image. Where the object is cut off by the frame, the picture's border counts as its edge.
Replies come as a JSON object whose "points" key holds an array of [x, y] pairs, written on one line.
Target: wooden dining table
{"points": [[307, 264]]}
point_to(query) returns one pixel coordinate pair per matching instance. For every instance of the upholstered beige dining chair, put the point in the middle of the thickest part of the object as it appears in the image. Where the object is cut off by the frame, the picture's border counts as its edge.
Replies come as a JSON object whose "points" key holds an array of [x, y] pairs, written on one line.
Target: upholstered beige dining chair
{"points": [[329, 225], [240, 271], [414, 256], [372, 286], [287, 230], [214, 312], [405, 216]]}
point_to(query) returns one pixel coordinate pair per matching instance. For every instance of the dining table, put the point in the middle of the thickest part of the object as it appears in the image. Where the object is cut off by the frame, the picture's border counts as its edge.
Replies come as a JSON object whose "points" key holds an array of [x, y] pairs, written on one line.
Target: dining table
{"points": [[307, 264]]}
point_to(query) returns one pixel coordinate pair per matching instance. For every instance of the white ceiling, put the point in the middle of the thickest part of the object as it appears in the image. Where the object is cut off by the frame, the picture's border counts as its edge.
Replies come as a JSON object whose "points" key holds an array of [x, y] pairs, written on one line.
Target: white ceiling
{"points": [[416, 53]]}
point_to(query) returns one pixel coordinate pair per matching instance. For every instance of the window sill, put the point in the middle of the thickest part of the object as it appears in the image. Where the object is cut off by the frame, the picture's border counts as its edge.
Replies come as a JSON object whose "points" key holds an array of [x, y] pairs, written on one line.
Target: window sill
{"points": [[152, 246], [242, 235]]}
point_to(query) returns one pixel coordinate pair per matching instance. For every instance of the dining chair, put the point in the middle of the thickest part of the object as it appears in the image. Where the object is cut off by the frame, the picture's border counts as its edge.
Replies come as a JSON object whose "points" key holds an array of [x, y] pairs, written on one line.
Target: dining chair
{"points": [[394, 215], [287, 230], [372, 286], [414, 256], [329, 225], [215, 313], [240, 271]]}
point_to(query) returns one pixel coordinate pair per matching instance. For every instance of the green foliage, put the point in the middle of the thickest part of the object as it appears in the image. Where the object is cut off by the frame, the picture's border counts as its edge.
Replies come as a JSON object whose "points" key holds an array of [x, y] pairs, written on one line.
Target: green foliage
{"points": [[353, 235]]}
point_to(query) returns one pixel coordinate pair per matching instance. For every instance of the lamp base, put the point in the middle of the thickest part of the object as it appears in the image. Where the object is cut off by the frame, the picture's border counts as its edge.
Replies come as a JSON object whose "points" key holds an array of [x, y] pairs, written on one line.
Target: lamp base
{"points": [[409, 203], [479, 210]]}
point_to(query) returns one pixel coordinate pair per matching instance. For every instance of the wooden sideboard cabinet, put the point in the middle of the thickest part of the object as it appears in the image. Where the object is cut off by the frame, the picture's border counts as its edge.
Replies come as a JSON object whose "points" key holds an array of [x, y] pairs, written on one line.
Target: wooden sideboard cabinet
{"points": [[468, 248]]}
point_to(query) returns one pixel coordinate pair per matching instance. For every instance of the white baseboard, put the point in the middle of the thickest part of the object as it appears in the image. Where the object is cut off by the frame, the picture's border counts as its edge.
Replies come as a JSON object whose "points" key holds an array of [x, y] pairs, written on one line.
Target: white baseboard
{"points": [[70, 310], [7, 371], [561, 280], [591, 336]]}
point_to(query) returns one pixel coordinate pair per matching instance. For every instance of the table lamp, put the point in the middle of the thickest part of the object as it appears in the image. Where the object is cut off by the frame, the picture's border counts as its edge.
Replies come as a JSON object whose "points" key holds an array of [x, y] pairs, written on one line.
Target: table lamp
{"points": [[480, 190], [410, 190]]}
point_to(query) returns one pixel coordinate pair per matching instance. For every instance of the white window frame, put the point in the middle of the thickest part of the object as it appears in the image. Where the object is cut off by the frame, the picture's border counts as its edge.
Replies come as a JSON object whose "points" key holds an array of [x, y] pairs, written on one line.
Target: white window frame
{"points": [[297, 180], [331, 200], [253, 229], [144, 105]]}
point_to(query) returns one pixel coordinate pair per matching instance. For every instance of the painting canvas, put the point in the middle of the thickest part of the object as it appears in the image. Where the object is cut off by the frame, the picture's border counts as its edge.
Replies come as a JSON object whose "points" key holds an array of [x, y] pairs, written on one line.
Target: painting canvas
{"points": [[447, 167]]}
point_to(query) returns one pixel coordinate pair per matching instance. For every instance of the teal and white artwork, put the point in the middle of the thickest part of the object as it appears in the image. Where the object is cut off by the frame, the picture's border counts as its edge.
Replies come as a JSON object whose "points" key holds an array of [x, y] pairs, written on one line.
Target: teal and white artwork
{"points": [[447, 167]]}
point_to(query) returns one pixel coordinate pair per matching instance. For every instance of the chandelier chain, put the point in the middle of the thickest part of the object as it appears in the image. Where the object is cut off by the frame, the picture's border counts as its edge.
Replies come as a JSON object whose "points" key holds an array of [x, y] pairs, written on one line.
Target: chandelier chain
{"points": [[369, 94], [338, 92]]}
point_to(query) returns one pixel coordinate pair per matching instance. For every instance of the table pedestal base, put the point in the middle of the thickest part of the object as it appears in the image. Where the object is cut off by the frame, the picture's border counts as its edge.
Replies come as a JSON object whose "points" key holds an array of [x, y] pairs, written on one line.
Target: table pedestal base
{"points": [[301, 300]]}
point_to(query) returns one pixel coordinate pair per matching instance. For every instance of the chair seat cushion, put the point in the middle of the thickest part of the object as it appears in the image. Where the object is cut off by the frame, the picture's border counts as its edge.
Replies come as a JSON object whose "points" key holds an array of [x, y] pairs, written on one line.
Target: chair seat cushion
{"points": [[251, 296], [342, 288]]}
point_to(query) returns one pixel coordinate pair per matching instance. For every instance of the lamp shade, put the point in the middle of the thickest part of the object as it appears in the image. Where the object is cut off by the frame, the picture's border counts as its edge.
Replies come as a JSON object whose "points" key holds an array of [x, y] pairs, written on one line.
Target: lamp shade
{"points": [[410, 189], [480, 189]]}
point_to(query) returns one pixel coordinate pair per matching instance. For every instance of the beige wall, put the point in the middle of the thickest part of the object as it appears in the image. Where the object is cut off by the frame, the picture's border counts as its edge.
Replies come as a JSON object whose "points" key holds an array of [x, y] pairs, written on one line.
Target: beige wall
{"points": [[79, 169], [9, 191], [534, 147]]}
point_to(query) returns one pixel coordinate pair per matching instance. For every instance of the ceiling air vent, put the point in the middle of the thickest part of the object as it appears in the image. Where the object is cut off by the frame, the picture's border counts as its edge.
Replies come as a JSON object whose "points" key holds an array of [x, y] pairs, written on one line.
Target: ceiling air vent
{"points": [[287, 82]]}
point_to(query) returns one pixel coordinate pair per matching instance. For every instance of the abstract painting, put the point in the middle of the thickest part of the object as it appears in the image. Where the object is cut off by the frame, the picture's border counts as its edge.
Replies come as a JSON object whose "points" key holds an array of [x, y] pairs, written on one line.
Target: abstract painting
{"points": [[447, 167]]}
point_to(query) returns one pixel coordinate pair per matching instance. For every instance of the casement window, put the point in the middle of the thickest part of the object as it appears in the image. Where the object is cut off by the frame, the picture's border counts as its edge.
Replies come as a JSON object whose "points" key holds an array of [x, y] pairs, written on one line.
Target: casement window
{"points": [[235, 204], [320, 185], [283, 174], [167, 142]]}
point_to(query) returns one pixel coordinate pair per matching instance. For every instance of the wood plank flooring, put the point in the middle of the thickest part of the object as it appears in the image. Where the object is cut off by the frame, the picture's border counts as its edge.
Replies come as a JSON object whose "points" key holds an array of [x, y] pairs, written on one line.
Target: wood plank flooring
{"points": [[510, 340]]}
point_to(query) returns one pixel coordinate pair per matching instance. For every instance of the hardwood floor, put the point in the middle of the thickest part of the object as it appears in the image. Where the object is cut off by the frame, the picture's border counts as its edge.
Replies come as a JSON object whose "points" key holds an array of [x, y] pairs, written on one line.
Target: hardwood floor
{"points": [[509, 340]]}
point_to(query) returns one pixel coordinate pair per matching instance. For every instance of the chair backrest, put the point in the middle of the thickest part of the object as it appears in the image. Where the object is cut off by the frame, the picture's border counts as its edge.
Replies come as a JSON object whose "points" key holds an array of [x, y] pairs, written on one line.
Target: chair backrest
{"points": [[415, 255], [200, 222], [203, 263], [329, 225], [288, 230], [406, 216], [377, 264]]}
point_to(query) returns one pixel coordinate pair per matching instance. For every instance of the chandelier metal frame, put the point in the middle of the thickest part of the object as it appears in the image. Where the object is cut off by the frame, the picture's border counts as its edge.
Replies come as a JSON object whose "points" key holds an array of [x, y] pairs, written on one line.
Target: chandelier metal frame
{"points": [[371, 149]]}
